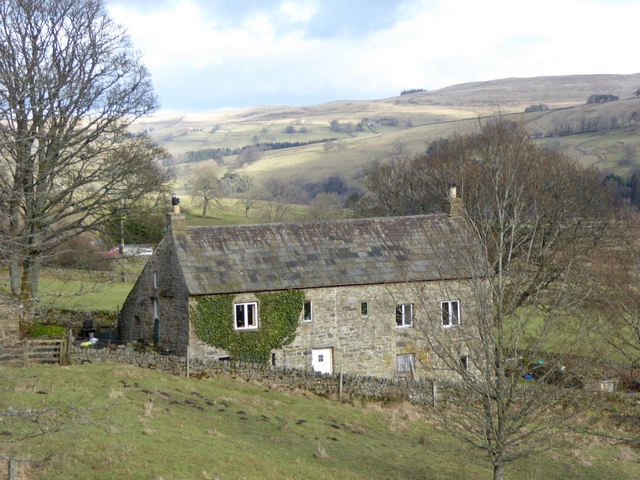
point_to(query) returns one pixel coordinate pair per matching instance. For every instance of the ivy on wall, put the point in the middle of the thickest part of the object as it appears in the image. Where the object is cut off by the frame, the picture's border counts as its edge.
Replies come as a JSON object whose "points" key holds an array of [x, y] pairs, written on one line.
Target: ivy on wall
{"points": [[278, 315]]}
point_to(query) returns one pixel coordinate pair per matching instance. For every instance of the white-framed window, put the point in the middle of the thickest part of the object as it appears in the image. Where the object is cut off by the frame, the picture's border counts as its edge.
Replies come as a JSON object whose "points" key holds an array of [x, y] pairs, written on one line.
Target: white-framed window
{"points": [[404, 315], [307, 311], [245, 316], [450, 313], [404, 364], [364, 309]]}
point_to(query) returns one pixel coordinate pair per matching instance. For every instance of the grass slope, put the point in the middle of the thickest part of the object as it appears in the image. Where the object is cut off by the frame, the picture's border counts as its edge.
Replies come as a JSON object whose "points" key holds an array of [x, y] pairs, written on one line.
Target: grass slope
{"points": [[141, 424]]}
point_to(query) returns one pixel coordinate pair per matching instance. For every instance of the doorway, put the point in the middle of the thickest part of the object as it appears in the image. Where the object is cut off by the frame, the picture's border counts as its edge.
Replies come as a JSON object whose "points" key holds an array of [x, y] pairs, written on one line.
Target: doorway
{"points": [[322, 360]]}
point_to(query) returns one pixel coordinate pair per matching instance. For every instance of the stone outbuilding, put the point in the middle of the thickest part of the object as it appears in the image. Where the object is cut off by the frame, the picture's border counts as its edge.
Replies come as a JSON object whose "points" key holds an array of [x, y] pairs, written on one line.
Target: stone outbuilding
{"points": [[375, 289]]}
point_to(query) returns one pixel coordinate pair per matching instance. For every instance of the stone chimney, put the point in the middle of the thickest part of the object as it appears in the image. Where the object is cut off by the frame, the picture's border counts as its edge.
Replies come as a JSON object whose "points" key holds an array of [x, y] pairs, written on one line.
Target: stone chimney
{"points": [[455, 203], [175, 219]]}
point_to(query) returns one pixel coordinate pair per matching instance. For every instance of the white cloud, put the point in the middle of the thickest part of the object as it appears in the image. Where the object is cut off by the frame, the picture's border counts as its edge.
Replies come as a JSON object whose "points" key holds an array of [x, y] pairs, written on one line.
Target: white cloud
{"points": [[298, 11], [434, 45]]}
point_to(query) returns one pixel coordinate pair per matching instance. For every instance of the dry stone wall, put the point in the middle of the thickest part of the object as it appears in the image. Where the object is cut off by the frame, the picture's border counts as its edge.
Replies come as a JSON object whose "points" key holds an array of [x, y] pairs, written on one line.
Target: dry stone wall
{"points": [[9, 321], [353, 386]]}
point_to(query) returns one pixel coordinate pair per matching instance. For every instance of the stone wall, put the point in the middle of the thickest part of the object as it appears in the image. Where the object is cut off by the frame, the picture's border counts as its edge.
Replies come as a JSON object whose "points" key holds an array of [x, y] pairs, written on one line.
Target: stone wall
{"points": [[353, 386], [74, 319], [161, 283], [369, 344], [9, 321]]}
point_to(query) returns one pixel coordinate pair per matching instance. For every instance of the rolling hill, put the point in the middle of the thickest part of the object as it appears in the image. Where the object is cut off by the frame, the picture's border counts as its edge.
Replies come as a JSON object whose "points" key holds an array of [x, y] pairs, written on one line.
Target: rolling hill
{"points": [[410, 122]]}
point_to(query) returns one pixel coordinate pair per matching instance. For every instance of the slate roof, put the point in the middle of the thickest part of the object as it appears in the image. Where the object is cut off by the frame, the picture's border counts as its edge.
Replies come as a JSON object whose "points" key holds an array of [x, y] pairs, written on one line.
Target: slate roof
{"points": [[267, 257]]}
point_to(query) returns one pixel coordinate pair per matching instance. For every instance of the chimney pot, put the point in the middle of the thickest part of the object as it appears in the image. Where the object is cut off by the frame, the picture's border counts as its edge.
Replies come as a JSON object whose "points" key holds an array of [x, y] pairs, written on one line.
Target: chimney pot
{"points": [[175, 203], [453, 191]]}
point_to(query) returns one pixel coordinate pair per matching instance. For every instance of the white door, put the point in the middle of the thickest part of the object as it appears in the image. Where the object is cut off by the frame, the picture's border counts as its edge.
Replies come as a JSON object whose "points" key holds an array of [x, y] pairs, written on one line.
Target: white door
{"points": [[321, 360]]}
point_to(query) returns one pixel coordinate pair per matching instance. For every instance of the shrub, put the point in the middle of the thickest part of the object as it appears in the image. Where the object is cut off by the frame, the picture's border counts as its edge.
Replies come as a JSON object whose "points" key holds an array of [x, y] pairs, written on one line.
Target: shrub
{"points": [[79, 252], [602, 98], [39, 330], [536, 108]]}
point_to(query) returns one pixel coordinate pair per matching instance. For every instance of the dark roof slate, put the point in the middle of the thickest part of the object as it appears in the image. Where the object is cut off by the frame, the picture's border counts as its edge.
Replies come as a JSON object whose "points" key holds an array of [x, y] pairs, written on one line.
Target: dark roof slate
{"points": [[267, 257]]}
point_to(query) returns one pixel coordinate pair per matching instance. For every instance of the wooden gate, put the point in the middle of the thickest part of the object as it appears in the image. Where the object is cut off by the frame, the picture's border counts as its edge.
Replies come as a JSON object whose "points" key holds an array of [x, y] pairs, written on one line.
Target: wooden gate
{"points": [[27, 352]]}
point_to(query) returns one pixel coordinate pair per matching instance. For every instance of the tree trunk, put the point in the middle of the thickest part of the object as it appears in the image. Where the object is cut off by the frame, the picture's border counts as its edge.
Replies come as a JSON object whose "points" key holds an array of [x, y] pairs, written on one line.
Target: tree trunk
{"points": [[205, 204], [15, 275], [29, 286], [498, 471]]}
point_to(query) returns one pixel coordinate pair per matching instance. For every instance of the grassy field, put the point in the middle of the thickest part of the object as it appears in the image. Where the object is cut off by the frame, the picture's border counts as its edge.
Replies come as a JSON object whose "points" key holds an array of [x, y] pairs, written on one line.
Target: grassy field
{"points": [[140, 424], [78, 295]]}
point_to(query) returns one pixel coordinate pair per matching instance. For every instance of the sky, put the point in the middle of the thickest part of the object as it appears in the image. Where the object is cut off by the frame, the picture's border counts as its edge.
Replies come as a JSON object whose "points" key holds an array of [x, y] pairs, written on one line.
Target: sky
{"points": [[206, 55]]}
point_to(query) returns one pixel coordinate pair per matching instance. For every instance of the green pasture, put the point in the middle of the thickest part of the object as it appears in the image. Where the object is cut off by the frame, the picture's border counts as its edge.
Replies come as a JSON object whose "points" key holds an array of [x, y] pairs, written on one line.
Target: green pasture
{"points": [[114, 421], [78, 295], [228, 211]]}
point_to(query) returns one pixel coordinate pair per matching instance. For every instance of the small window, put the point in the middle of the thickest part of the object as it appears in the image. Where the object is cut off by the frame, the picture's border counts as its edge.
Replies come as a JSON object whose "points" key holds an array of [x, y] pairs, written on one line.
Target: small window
{"points": [[404, 315], [464, 362], [450, 313], [404, 365], [307, 313], [364, 309], [155, 279], [246, 316]]}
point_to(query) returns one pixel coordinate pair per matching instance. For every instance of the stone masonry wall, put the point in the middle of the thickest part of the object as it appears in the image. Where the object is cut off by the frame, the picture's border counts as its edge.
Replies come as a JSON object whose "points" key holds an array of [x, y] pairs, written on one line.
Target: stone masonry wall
{"points": [[353, 386], [9, 321], [369, 345], [162, 282]]}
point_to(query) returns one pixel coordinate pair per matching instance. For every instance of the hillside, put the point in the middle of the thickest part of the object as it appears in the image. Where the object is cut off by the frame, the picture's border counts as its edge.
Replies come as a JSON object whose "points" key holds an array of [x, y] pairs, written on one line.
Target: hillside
{"points": [[106, 421], [411, 121]]}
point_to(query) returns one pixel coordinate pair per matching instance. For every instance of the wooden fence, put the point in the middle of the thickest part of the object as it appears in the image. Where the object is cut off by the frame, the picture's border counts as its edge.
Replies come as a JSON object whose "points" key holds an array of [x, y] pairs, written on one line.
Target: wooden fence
{"points": [[26, 352]]}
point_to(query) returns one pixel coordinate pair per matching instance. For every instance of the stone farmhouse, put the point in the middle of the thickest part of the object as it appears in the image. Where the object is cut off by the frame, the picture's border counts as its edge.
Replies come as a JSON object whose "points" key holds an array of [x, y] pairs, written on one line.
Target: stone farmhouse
{"points": [[375, 289]]}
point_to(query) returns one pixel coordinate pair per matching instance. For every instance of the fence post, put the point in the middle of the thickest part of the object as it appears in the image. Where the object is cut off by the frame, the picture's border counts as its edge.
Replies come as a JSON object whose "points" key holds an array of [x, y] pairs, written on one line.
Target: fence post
{"points": [[12, 470], [187, 362], [65, 357], [434, 392]]}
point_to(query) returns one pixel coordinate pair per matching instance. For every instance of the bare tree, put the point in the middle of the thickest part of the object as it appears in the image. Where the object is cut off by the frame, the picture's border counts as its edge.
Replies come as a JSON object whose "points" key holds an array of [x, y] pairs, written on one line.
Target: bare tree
{"points": [[248, 156], [325, 206], [246, 190], [404, 186], [278, 198], [531, 220], [629, 154], [399, 146], [205, 186], [70, 85]]}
